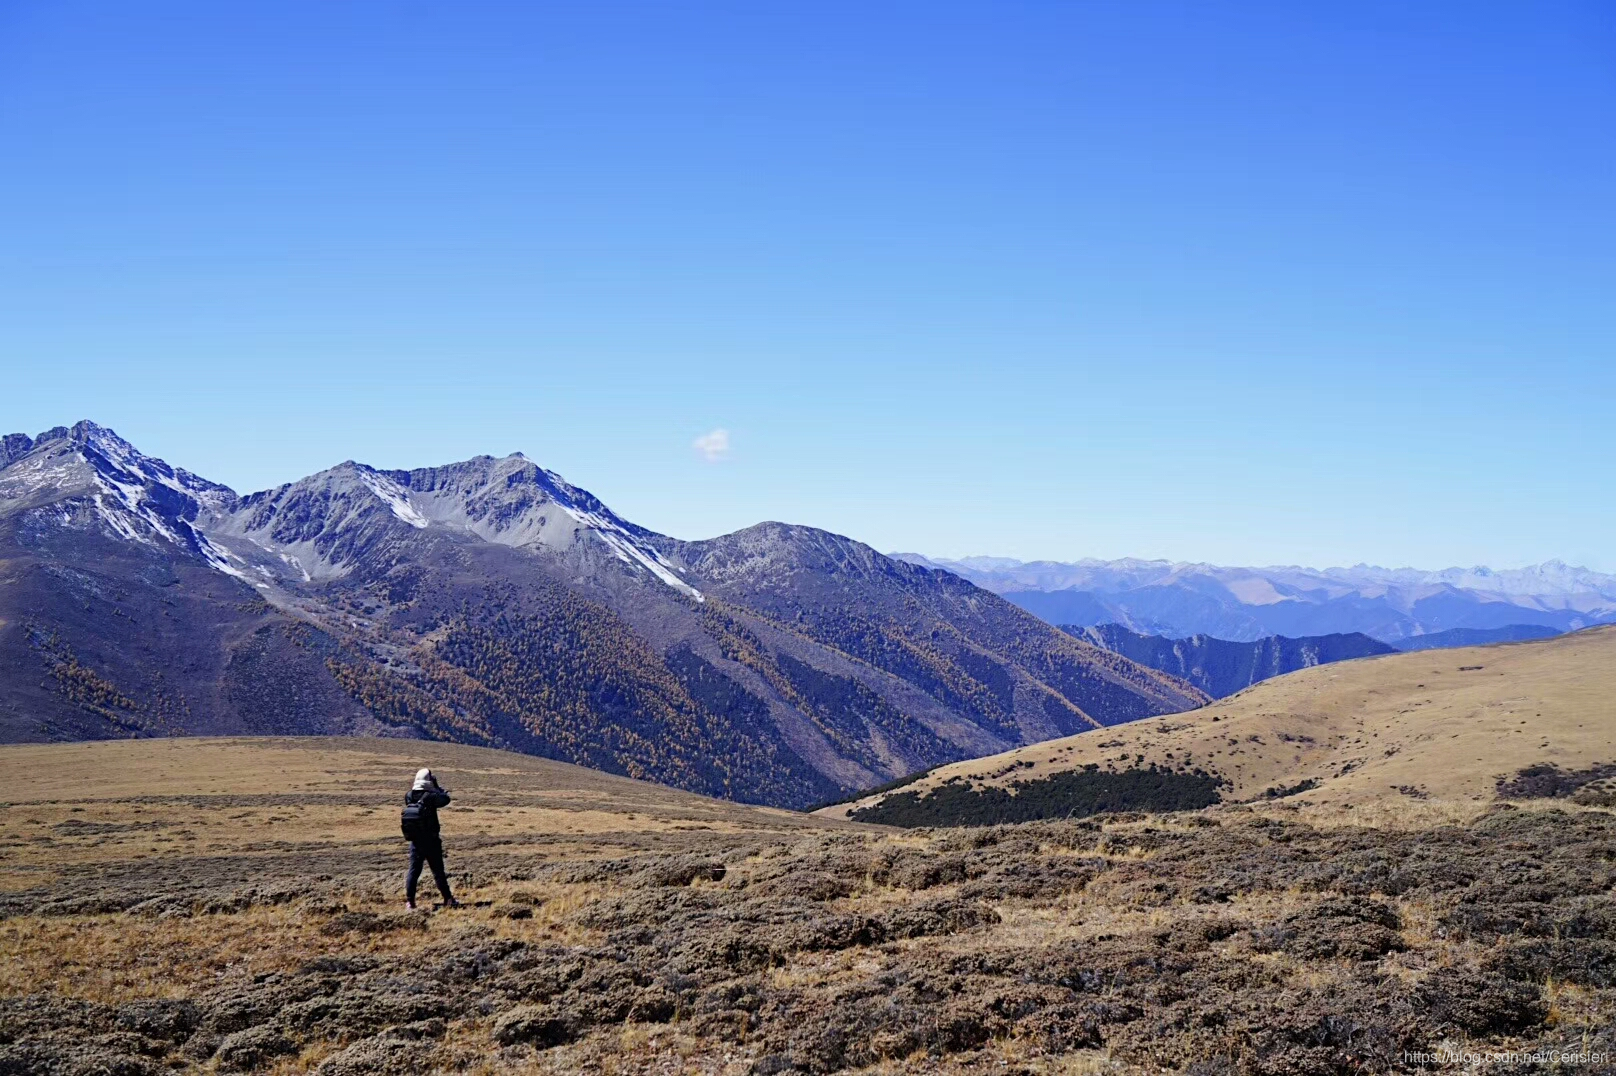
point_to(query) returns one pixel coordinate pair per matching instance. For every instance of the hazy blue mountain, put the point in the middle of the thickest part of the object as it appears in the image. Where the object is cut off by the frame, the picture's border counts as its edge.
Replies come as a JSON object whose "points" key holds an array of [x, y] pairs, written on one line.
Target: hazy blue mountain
{"points": [[1245, 604], [491, 602], [1067, 606], [1221, 666], [1510, 633]]}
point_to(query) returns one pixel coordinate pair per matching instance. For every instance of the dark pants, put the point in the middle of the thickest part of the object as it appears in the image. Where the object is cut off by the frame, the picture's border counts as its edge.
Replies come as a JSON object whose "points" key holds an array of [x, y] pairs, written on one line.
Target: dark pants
{"points": [[430, 853]]}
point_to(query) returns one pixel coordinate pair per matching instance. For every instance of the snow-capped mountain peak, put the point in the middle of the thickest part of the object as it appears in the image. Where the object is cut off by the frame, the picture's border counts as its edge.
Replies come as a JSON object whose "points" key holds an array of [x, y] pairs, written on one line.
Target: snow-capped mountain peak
{"points": [[88, 476], [323, 527]]}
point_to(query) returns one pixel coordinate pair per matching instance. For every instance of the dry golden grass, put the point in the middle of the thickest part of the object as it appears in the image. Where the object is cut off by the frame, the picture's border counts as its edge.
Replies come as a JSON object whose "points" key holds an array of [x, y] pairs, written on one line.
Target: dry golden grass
{"points": [[376, 771], [1404, 739], [112, 958], [74, 807], [319, 816], [116, 801]]}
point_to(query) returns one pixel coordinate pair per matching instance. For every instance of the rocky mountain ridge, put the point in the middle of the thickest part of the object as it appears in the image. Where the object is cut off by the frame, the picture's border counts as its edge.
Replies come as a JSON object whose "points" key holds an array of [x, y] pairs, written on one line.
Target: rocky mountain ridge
{"points": [[490, 602]]}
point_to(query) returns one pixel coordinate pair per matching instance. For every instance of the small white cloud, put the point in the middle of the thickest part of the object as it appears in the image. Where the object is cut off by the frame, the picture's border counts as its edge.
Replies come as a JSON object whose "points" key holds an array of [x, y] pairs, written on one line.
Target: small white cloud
{"points": [[713, 446]]}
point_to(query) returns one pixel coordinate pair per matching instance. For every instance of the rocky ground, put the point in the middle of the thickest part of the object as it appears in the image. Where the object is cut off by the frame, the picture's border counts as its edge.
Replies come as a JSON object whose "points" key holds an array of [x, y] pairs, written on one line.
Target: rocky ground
{"points": [[1229, 940]]}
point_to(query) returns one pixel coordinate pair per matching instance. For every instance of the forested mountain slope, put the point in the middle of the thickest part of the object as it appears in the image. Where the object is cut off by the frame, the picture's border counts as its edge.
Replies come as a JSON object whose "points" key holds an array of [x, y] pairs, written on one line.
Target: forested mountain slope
{"points": [[492, 603]]}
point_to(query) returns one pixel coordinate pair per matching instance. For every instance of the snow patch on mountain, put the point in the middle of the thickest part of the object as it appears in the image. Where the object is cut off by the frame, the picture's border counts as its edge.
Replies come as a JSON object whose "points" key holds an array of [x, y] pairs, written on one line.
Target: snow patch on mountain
{"points": [[621, 542], [119, 521], [219, 558], [131, 501], [396, 496]]}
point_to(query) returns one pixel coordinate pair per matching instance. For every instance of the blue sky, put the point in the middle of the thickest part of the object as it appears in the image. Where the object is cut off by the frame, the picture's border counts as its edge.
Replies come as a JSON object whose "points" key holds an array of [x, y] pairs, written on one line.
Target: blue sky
{"points": [[1251, 283]]}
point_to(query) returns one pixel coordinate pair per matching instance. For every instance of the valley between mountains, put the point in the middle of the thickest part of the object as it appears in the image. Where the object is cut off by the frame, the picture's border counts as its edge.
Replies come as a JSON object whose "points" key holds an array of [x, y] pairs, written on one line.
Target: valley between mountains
{"points": [[492, 603]]}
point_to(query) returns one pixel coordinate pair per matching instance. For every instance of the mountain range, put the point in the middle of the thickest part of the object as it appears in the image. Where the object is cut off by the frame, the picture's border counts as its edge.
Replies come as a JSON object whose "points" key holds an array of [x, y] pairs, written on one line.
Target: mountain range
{"points": [[1159, 597], [1454, 637], [491, 602], [1221, 667]]}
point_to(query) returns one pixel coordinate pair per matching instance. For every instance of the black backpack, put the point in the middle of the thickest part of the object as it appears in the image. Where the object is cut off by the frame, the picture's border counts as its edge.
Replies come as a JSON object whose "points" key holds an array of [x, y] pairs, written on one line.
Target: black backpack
{"points": [[412, 820]]}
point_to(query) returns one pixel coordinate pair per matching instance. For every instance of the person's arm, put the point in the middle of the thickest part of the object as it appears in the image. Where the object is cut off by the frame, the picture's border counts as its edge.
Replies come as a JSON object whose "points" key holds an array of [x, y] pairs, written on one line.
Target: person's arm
{"points": [[440, 797]]}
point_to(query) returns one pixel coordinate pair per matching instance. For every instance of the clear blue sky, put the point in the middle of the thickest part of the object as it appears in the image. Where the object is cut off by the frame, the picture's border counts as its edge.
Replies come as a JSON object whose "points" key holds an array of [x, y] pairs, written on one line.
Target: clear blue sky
{"points": [[1314, 283]]}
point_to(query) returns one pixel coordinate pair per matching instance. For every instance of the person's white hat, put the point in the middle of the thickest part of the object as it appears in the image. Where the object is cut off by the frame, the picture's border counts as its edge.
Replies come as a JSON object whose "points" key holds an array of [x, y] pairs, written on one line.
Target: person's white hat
{"points": [[424, 778]]}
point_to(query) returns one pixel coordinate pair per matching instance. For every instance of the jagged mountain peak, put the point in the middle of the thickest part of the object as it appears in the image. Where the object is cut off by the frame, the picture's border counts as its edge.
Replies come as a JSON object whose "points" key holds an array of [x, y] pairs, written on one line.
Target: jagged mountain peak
{"points": [[101, 447], [86, 476], [320, 527], [324, 525]]}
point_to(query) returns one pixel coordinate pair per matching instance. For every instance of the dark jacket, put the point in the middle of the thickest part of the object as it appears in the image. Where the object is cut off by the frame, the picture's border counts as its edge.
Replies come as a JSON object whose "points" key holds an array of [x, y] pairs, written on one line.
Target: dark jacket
{"points": [[430, 800]]}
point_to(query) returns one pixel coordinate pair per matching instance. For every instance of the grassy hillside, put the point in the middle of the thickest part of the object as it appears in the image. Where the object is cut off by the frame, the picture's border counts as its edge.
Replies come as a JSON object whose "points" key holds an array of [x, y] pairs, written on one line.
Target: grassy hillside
{"points": [[1442, 725], [222, 906], [179, 797]]}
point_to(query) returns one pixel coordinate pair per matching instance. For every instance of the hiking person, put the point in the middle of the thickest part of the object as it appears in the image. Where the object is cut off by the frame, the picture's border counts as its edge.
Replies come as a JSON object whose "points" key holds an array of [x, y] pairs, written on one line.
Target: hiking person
{"points": [[419, 821]]}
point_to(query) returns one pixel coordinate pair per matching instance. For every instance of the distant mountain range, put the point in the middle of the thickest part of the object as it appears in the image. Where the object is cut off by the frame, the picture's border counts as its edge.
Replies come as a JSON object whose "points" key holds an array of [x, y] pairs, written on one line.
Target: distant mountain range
{"points": [[1174, 599], [490, 602], [1509, 633], [1221, 667]]}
